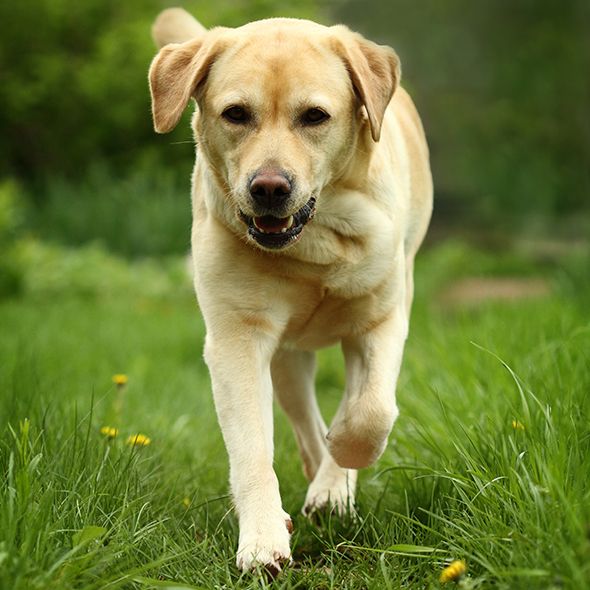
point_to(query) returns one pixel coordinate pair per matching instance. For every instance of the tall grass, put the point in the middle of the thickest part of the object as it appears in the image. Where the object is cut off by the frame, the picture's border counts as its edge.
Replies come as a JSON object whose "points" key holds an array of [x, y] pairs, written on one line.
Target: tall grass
{"points": [[489, 461]]}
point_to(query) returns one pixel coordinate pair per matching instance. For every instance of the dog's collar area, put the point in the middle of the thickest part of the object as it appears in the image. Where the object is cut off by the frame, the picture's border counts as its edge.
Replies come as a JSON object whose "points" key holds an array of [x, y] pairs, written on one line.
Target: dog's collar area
{"points": [[277, 232]]}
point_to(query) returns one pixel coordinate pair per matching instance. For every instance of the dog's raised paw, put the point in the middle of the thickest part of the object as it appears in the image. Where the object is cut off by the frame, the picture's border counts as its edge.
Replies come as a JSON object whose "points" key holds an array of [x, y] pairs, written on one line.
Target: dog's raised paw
{"points": [[358, 441]]}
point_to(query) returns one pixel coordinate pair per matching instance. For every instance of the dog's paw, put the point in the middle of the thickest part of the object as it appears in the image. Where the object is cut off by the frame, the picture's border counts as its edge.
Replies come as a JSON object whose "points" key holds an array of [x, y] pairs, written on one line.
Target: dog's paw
{"points": [[357, 452], [331, 494], [358, 439], [266, 546], [327, 501]]}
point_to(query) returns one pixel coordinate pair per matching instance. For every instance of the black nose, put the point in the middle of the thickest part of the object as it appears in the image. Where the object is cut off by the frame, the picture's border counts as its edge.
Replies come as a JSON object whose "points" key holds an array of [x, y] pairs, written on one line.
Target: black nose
{"points": [[270, 188]]}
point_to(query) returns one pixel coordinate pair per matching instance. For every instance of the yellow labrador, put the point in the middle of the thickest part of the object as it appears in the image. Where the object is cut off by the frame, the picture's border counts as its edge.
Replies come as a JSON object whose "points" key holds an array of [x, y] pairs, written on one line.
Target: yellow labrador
{"points": [[311, 195]]}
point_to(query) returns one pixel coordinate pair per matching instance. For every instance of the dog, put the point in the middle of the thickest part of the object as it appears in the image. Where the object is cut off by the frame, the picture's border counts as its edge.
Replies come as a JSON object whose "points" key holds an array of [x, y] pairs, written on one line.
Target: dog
{"points": [[311, 194]]}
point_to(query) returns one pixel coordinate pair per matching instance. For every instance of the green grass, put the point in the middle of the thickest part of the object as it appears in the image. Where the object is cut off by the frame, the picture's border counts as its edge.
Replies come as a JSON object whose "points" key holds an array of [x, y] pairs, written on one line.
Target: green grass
{"points": [[458, 480]]}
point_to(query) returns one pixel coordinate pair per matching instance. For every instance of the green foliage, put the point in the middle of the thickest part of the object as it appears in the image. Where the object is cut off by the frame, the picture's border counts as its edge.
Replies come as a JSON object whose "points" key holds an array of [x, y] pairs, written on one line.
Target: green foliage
{"points": [[11, 219], [74, 81], [33, 267], [50, 270], [503, 99], [500, 90], [144, 212]]}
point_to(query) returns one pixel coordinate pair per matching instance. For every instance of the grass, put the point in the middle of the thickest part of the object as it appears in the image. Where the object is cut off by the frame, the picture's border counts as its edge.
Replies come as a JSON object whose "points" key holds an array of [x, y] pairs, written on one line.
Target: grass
{"points": [[489, 461]]}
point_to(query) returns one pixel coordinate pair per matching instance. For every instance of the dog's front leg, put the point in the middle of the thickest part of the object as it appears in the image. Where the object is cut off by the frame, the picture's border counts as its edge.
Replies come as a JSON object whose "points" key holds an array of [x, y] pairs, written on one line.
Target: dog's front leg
{"points": [[239, 363], [365, 417]]}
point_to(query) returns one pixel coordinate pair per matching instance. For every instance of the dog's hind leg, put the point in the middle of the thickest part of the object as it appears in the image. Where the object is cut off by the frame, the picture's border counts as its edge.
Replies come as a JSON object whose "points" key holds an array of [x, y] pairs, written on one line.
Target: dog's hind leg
{"points": [[293, 382], [293, 375]]}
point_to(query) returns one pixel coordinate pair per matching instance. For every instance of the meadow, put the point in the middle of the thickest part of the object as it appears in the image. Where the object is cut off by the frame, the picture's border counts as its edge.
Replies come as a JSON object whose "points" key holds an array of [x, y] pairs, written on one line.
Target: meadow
{"points": [[489, 461], [113, 473]]}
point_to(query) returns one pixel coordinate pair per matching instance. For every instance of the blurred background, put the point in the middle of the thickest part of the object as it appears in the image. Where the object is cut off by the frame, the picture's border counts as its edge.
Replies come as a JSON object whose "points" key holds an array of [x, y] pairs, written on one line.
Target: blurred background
{"points": [[503, 88]]}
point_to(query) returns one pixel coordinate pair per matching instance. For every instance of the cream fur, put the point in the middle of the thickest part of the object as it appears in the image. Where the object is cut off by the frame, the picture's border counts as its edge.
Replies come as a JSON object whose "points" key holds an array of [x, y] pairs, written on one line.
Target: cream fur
{"points": [[347, 280]]}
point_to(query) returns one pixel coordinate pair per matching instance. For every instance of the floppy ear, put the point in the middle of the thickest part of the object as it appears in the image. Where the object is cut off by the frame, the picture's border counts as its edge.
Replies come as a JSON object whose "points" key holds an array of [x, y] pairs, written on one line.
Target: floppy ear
{"points": [[174, 75], [375, 73]]}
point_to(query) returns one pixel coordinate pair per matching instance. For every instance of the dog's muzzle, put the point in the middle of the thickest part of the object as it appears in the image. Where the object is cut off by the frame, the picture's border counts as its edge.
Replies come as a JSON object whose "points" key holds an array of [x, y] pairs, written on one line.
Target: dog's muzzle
{"points": [[278, 232]]}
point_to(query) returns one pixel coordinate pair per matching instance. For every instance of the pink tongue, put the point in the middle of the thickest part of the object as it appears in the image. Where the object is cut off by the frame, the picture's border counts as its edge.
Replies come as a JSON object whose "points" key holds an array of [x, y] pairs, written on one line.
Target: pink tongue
{"points": [[271, 224]]}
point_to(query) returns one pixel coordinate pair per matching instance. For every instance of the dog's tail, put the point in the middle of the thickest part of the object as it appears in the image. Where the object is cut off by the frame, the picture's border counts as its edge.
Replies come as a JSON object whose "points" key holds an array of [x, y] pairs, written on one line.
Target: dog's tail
{"points": [[175, 25]]}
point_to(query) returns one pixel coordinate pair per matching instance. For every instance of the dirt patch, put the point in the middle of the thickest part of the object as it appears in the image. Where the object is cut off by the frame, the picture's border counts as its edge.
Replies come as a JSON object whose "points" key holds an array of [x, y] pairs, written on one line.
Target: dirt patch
{"points": [[476, 290]]}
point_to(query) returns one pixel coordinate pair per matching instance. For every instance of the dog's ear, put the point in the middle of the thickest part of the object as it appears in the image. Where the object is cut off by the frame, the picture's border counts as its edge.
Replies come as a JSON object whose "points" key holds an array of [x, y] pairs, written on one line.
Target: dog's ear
{"points": [[175, 73], [374, 70]]}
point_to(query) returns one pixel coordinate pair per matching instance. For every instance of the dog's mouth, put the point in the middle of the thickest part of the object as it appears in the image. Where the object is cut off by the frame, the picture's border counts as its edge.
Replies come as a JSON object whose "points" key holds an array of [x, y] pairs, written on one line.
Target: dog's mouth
{"points": [[277, 232]]}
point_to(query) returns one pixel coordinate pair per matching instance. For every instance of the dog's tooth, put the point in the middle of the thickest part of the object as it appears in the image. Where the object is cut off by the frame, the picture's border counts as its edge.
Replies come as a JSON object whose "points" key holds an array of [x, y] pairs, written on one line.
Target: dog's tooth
{"points": [[291, 221]]}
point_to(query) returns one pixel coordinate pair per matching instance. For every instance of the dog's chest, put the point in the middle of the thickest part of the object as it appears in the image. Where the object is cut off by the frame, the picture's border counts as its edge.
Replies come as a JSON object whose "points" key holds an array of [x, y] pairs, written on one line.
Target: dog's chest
{"points": [[349, 295], [329, 311]]}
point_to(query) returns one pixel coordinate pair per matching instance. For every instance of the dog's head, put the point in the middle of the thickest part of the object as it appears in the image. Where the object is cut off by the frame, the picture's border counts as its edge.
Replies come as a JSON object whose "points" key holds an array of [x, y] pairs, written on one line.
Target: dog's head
{"points": [[281, 104]]}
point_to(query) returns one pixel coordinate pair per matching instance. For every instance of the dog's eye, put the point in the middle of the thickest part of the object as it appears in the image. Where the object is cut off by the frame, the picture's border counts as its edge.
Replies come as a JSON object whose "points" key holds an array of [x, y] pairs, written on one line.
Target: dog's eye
{"points": [[237, 115], [314, 116]]}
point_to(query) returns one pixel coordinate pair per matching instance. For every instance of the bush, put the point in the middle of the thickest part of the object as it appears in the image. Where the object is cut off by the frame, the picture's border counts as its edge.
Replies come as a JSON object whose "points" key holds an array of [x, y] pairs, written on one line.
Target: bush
{"points": [[34, 267], [49, 270], [11, 219], [144, 212], [504, 100], [74, 81]]}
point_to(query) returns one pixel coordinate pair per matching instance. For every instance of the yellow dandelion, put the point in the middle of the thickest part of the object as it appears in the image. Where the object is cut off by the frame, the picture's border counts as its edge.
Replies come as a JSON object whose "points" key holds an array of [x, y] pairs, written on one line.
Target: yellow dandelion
{"points": [[517, 425], [186, 502], [120, 380], [139, 440], [453, 571], [109, 431]]}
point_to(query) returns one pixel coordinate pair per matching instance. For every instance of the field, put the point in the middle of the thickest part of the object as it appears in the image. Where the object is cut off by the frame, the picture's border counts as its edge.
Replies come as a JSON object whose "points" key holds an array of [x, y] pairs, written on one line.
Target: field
{"points": [[489, 461], [113, 472]]}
